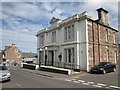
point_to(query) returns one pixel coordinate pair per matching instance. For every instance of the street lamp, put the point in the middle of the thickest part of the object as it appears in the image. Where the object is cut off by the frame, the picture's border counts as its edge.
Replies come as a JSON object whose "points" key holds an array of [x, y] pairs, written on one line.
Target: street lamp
{"points": [[40, 56], [45, 55]]}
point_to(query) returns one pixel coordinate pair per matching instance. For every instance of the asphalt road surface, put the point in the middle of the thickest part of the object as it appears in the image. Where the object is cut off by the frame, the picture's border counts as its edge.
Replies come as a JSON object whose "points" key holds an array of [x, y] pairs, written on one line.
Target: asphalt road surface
{"points": [[23, 79]]}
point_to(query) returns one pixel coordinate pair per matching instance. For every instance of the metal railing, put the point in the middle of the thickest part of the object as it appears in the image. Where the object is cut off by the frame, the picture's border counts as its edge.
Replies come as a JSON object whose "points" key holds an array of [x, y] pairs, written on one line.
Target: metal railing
{"points": [[63, 65]]}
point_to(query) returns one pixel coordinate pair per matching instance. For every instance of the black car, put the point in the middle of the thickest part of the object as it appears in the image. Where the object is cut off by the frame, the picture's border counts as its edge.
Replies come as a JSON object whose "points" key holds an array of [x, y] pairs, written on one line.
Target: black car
{"points": [[104, 67]]}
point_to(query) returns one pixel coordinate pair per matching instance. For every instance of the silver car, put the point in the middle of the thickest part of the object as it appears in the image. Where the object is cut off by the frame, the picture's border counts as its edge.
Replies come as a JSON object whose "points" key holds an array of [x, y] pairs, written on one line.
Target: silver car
{"points": [[4, 73]]}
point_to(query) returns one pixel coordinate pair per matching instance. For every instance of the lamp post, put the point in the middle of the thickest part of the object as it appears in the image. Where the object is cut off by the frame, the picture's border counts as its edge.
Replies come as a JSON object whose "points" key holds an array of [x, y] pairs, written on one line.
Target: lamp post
{"points": [[45, 55], [40, 56]]}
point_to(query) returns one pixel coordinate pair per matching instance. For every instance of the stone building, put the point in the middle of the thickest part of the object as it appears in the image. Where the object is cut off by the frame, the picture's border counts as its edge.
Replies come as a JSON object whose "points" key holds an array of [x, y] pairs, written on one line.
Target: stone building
{"points": [[12, 55], [29, 57], [78, 42]]}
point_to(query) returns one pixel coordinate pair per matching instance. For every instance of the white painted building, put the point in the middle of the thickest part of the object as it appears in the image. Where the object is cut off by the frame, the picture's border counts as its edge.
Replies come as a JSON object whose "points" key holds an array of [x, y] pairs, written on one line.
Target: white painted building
{"points": [[65, 43]]}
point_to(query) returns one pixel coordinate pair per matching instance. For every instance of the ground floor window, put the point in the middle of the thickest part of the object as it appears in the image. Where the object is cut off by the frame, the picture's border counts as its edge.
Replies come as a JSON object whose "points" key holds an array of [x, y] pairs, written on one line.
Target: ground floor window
{"points": [[107, 55], [69, 55], [115, 55]]}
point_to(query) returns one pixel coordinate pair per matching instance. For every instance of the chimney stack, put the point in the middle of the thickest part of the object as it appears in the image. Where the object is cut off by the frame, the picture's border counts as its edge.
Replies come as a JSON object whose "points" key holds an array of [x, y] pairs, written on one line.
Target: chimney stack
{"points": [[102, 16], [13, 44]]}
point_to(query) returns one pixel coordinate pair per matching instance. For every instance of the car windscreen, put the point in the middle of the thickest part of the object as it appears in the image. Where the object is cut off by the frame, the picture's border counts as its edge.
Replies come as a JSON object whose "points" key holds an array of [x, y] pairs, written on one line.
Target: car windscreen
{"points": [[102, 64], [3, 68]]}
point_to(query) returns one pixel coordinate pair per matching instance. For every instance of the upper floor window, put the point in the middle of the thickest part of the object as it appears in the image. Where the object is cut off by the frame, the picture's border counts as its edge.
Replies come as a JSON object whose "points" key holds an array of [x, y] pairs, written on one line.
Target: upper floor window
{"points": [[54, 36], [16, 50], [19, 55], [114, 38], [106, 35], [69, 32], [42, 40]]}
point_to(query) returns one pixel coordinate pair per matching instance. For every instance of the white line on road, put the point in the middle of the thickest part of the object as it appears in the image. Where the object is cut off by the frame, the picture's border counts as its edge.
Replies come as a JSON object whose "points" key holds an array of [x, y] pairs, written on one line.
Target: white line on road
{"points": [[73, 79], [76, 82], [101, 84], [86, 83], [81, 81], [114, 87], [90, 82], [97, 86], [18, 84], [67, 80]]}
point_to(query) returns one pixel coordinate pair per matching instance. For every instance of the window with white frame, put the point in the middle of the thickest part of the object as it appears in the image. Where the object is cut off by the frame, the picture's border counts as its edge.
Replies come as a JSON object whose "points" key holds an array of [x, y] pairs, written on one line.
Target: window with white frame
{"points": [[69, 55], [114, 38], [69, 32], [106, 35], [53, 36], [42, 40], [16, 50]]}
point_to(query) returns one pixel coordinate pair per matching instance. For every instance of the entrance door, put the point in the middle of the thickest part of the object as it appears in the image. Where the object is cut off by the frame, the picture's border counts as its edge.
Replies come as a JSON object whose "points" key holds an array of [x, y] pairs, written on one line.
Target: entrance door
{"points": [[52, 57]]}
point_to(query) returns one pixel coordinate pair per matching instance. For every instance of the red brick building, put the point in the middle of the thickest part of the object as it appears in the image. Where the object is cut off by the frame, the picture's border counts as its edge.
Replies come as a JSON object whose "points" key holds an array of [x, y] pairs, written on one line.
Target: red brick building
{"points": [[12, 54], [102, 40]]}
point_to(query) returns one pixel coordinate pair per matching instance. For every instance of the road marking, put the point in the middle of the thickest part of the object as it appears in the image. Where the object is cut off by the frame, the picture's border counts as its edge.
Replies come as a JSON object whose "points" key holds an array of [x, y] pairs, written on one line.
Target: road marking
{"points": [[18, 84], [86, 83], [81, 81], [114, 87], [97, 86], [67, 80], [90, 82], [108, 87], [101, 84], [76, 82], [73, 79]]}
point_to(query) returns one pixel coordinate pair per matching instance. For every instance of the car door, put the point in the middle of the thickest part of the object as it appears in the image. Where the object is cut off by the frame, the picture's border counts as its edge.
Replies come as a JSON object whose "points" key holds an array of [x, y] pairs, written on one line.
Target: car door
{"points": [[110, 66]]}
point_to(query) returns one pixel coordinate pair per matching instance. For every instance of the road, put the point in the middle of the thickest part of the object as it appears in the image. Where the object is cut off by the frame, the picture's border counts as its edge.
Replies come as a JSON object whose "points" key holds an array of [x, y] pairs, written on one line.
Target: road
{"points": [[23, 79]]}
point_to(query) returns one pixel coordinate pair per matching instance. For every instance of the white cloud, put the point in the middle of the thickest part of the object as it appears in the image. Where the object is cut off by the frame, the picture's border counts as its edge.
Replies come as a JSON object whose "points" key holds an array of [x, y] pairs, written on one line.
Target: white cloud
{"points": [[23, 41], [26, 19]]}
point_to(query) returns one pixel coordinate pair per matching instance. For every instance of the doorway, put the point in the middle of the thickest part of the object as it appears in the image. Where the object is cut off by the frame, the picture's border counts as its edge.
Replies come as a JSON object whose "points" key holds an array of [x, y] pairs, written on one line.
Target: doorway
{"points": [[52, 57]]}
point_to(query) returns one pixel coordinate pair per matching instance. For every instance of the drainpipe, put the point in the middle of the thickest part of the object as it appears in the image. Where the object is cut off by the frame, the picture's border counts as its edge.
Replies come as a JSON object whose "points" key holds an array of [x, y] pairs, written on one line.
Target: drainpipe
{"points": [[93, 45], [98, 41]]}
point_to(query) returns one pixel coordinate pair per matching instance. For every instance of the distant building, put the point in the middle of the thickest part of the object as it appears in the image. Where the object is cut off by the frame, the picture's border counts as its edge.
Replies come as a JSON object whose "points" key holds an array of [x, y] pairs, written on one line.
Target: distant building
{"points": [[0, 56], [29, 57], [78, 42], [12, 55]]}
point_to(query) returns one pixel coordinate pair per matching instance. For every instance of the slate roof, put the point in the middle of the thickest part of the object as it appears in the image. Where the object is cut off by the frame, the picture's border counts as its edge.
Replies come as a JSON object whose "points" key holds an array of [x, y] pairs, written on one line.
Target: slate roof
{"points": [[29, 55]]}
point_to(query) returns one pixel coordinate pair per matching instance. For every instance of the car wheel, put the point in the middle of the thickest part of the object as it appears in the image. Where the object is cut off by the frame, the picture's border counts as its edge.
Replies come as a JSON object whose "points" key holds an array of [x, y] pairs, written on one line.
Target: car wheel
{"points": [[104, 71], [114, 69]]}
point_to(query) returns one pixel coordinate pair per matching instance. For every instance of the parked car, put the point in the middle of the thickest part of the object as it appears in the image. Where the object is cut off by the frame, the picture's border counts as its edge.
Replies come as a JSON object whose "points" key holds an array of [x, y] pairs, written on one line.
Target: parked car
{"points": [[4, 73], [104, 67]]}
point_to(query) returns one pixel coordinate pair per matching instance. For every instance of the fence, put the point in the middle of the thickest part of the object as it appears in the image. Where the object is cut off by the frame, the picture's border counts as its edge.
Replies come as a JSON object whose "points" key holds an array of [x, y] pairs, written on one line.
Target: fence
{"points": [[63, 65]]}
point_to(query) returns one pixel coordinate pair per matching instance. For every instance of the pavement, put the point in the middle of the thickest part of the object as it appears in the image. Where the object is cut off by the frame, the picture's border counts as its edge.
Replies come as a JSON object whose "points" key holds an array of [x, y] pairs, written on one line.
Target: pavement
{"points": [[54, 75]]}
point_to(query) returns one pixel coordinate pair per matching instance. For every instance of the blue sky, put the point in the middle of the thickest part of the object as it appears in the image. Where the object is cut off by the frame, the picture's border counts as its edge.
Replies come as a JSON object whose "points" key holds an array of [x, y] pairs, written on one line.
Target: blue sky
{"points": [[22, 20]]}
